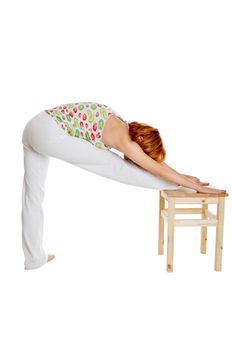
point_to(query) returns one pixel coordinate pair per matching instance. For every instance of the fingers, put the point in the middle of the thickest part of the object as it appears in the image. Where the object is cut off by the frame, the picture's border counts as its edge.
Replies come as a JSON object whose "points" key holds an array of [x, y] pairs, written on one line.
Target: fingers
{"points": [[202, 183], [218, 190], [211, 190]]}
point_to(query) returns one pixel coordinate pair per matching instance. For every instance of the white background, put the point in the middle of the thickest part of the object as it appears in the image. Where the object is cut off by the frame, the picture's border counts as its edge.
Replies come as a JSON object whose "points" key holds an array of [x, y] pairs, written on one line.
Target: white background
{"points": [[166, 63]]}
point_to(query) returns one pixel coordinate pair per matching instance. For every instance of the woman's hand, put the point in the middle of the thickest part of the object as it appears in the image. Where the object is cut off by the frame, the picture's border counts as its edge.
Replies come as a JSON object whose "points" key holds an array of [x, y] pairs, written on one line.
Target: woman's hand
{"points": [[204, 189], [196, 180], [210, 190]]}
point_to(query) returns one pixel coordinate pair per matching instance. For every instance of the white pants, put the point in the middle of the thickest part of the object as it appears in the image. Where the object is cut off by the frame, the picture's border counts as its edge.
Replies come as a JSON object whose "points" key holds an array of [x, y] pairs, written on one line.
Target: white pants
{"points": [[42, 138]]}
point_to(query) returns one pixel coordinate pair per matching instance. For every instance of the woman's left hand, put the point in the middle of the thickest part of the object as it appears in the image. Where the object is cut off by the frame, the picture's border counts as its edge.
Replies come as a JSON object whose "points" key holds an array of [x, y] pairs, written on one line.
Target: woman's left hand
{"points": [[197, 180]]}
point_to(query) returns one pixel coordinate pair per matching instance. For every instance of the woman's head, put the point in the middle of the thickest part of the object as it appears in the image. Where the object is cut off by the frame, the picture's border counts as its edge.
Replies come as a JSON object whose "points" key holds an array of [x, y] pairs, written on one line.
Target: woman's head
{"points": [[148, 139]]}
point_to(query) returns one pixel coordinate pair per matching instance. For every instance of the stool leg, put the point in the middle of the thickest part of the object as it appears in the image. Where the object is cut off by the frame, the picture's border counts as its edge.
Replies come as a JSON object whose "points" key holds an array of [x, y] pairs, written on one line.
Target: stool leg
{"points": [[161, 225], [219, 234], [204, 230], [170, 248]]}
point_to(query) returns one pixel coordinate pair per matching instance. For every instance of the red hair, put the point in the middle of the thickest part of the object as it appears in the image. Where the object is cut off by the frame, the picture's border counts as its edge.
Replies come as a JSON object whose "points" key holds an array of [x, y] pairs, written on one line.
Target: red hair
{"points": [[148, 139]]}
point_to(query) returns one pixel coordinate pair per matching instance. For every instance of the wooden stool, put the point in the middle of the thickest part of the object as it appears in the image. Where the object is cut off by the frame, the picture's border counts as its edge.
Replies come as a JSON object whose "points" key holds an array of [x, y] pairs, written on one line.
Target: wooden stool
{"points": [[185, 195]]}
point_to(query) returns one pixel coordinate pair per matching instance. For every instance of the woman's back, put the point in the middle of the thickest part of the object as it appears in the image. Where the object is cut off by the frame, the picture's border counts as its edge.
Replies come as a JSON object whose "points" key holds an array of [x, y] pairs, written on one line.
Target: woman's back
{"points": [[84, 119]]}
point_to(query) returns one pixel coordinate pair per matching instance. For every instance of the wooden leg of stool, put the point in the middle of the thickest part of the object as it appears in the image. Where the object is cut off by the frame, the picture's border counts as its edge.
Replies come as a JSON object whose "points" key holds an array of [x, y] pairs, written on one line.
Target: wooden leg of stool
{"points": [[170, 248], [161, 225], [219, 234], [204, 229]]}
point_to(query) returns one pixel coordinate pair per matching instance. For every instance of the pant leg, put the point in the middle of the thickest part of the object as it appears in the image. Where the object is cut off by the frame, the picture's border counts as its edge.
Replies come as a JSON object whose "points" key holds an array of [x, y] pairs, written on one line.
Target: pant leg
{"points": [[35, 170]]}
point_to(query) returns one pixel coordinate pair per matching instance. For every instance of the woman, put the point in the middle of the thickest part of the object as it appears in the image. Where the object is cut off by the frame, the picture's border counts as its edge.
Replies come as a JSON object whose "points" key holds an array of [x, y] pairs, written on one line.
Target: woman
{"points": [[62, 132]]}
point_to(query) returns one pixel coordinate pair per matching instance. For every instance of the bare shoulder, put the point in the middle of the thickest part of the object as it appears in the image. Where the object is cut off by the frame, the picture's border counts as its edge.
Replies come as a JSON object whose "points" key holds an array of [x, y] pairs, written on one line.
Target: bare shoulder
{"points": [[115, 132]]}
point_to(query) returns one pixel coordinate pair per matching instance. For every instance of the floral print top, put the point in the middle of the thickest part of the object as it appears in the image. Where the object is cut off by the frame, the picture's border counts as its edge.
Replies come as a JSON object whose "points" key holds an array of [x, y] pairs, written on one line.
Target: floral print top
{"points": [[83, 119]]}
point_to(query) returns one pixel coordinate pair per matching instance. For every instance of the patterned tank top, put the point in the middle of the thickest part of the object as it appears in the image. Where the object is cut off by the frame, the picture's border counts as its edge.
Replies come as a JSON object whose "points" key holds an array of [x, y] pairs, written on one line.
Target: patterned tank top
{"points": [[83, 119]]}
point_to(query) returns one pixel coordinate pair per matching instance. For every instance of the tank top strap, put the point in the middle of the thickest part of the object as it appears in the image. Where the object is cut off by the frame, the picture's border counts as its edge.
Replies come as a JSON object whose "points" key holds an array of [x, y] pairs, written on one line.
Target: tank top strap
{"points": [[122, 119]]}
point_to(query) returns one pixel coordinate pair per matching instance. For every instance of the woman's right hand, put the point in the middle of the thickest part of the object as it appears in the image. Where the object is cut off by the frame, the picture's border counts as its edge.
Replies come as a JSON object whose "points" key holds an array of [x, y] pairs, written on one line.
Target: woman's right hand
{"points": [[210, 190]]}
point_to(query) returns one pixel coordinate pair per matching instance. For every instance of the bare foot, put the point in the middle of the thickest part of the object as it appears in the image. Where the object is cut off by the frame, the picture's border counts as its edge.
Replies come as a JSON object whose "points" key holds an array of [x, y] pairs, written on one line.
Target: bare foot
{"points": [[50, 257]]}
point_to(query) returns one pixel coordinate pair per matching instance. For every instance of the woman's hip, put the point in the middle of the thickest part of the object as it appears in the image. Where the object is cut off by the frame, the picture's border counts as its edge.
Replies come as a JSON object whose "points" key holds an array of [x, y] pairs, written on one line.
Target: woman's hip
{"points": [[41, 130]]}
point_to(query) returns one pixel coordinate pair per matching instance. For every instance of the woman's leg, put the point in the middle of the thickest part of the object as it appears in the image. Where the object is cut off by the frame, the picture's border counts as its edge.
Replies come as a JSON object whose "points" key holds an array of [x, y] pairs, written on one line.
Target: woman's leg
{"points": [[43, 138], [35, 170]]}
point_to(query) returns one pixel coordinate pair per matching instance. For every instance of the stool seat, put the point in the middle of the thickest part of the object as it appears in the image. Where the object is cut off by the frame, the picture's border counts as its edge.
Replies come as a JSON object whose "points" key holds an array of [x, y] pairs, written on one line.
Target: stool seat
{"points": [[188, 193], [185, 195]]}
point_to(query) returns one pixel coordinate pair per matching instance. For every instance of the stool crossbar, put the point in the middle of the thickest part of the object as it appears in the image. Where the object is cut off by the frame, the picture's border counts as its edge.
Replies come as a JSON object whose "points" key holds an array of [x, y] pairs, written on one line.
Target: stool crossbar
{"points": [[187, 196]]}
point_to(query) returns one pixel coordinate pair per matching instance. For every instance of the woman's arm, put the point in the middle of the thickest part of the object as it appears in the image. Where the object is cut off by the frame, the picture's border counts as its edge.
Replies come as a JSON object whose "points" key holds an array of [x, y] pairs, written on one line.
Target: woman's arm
{"points": [[133, 151]]}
